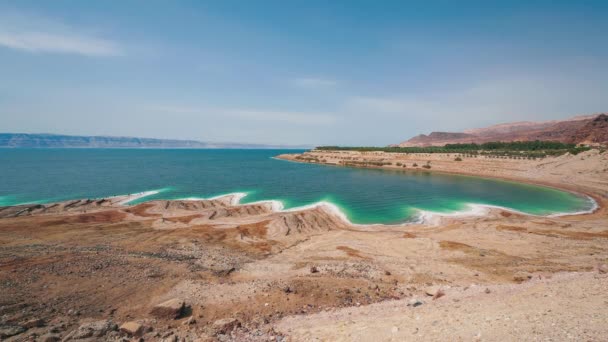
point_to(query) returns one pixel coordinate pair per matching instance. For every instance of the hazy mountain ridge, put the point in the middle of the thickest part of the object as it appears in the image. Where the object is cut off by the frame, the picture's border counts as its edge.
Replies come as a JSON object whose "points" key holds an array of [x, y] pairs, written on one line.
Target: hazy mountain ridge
{"points": [[588, 129], [26, 140]]}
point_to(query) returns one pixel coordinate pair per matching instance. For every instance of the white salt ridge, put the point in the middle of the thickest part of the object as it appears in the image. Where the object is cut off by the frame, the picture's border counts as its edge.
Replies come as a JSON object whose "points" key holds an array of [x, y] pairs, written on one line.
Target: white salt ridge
{"points": [[594, 207], [278, 206], [132, 197], [426, 217], [477, 209]]}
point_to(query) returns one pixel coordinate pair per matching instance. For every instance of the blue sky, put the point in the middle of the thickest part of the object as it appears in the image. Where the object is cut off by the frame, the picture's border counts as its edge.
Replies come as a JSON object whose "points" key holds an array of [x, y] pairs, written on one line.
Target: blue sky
{"points": [[297, 72]]}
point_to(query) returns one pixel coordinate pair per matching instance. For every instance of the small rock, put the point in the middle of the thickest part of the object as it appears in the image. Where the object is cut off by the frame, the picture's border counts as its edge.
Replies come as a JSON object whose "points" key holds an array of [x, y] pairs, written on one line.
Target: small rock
{"points": [[439, 294], [226, 325], [132, 328], [49, 338], [603, 268], [314, 269], [414, 302], [171, 309], [388, 273], [33, 323], [190, 321], [487, 290], [432, 290], [10, 330], [394, 330], [93, 329], [173, 338], [57, 328]]}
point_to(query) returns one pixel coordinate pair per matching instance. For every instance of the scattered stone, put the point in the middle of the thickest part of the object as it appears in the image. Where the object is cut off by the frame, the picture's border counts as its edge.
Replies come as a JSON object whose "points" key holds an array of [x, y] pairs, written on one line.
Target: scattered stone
{"points": [[73, 312], [49, 338], [603, 268], [34, 323], [432, 290], [521, 277], [226, 272], [173, 338], [314, 269], [171, 309], [414, 302], [487, 290], [10, 330], [204, 338], [57, 328], [287, 289], [93, 329], [439, 294], [226, 325], [132, 328], [388, 273], [190, 321]]}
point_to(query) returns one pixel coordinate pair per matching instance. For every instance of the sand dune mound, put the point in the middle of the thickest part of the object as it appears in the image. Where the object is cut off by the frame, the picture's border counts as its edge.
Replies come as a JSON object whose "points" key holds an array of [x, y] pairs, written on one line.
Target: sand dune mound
{"points": [[192, 205], [241, 211], [77, 206], [307, 222]]}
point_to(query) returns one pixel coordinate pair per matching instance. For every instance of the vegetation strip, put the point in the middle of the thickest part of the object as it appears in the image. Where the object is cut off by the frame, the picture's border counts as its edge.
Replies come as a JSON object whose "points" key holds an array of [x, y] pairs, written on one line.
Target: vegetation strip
{"points": [[514, 149]]}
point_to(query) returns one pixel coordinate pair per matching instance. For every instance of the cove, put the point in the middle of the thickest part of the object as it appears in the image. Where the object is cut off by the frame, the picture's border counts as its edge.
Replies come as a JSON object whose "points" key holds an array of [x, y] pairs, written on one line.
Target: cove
{"points": [[365, 196]]}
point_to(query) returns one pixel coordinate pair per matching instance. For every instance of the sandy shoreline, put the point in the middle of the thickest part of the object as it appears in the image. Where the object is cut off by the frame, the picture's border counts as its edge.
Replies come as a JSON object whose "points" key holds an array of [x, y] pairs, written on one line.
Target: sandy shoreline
{"points": [[462, 168]]}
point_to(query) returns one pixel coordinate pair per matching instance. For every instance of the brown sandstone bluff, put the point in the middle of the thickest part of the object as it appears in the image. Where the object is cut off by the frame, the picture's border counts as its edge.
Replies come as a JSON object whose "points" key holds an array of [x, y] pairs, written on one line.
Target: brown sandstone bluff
{"points": [[585, 129], [214, 270]]}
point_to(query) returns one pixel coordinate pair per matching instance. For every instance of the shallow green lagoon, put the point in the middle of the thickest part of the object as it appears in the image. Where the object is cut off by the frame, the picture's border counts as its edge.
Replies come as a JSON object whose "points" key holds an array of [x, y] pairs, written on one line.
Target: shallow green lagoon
{"points": [[364, 195]]}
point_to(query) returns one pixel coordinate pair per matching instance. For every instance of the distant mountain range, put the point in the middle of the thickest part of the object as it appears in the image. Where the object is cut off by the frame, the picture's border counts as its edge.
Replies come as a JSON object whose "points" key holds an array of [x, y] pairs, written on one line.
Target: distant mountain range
{"points": [[23, 140], [588, 129]]}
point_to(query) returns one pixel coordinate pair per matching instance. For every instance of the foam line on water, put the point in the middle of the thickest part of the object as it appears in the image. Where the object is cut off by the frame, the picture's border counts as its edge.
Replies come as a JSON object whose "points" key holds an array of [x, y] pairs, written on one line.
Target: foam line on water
{"points": [[132, 197], [235, 197], [478, 209], [136, 196], [594, 207], [434, 217]]}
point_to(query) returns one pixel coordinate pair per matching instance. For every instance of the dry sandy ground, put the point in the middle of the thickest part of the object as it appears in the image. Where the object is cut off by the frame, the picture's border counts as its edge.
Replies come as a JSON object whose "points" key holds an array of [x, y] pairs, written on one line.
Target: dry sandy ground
{"points": [[249, 273], [564, 307]]}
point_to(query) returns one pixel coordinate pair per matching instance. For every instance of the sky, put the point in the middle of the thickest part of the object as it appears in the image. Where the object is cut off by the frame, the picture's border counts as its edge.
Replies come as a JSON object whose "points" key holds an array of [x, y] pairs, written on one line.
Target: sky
{"points": [[296, 72]]}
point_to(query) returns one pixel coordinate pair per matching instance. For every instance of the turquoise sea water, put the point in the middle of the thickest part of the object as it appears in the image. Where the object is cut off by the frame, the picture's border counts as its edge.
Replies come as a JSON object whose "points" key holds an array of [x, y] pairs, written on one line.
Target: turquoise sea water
{"points": [[364, 195]]}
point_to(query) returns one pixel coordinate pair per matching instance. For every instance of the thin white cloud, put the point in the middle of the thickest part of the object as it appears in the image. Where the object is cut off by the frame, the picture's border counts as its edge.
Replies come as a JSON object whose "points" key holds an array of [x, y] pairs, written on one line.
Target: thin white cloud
{"points": [[175, 109], [41, 35], [313, 82], [505, 99], [299, 118], [384, 105]]}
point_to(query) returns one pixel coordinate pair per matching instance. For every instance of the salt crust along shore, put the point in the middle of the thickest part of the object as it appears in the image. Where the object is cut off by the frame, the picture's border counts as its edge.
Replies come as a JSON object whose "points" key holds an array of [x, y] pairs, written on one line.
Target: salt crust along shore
{"points": [[584, 174], [426, 217]]}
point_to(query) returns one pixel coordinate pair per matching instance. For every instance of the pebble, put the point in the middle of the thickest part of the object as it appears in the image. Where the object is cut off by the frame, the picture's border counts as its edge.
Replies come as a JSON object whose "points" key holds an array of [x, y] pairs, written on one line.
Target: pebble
{"points": [[414, 302]]}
